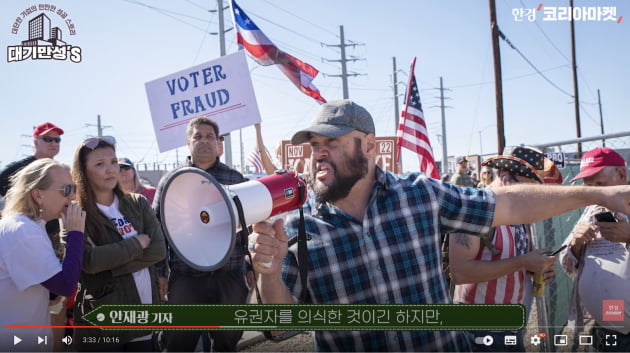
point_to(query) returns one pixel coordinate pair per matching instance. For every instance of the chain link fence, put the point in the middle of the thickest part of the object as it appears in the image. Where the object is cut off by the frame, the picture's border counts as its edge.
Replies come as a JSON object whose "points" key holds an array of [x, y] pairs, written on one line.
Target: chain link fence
{"points": [[552, 232]]}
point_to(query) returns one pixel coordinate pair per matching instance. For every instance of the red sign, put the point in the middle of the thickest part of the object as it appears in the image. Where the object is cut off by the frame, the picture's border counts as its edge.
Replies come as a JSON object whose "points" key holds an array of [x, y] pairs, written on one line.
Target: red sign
{"points": [[612, 310]]}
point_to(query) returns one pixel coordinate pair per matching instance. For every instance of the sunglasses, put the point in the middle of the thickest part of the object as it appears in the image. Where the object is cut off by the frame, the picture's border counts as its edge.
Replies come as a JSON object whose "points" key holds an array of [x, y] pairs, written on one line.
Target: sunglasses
{"points": [[92, 142], [49, 139], [124, 167], [68, 189]]}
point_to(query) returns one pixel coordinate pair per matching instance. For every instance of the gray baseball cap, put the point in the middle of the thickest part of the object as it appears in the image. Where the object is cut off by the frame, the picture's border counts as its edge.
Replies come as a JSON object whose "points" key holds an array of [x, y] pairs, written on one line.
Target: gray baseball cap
{"points": [[335, 119]]}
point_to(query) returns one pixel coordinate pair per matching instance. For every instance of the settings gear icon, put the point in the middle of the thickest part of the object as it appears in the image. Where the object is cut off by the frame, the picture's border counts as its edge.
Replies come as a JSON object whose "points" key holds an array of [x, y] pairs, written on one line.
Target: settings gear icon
{"points": [[535, 340]]}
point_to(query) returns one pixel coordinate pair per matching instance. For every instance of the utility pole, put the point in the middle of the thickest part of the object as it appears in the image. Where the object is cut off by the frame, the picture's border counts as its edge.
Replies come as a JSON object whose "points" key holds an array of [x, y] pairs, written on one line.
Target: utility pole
{"points": [[99, 127], [227, 141], [344, 72], [498, 80], [601, 117], [576, 95], [396, 107], [443, 108], [480, 145]]}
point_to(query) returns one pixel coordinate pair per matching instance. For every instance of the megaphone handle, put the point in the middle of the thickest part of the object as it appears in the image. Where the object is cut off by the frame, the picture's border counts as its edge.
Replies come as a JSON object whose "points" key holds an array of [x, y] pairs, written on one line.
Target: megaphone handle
{"points": [[302, 256], [244, 240]]}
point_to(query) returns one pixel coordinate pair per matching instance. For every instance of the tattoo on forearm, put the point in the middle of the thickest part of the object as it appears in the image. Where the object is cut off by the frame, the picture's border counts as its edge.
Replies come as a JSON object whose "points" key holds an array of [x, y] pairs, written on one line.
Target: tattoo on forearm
{"points": [[462, 239]]}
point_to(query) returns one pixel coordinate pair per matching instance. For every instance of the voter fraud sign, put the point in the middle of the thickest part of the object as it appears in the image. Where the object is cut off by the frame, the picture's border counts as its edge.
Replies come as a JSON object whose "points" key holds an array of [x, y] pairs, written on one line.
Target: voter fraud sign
{"points": [[220, 90], [298, 157]]}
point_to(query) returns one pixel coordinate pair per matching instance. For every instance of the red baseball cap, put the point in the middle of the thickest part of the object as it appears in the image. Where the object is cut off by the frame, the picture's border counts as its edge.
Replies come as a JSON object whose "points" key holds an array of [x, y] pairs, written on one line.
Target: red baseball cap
{"points": [[596, 159], [45, 128]]}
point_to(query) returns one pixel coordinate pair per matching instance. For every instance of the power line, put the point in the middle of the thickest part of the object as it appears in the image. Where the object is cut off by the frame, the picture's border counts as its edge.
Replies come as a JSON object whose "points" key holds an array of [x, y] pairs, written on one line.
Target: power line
{"points": [[562, 54], [502, 35], [197, 5], [203, 39], [507, 79], [291, 30], [169, 12], [344, 73], [301, 19], [549, 39], [166, 13]]}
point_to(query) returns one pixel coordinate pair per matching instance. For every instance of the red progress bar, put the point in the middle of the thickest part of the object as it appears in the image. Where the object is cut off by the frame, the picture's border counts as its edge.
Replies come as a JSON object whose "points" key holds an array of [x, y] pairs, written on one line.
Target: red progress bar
{"points": [[47, 326]]}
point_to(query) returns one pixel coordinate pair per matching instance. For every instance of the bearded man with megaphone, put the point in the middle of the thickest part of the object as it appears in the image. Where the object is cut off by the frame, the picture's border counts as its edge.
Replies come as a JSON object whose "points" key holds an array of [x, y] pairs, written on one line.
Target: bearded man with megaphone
{"points": [[185, 284], [374, 236]]}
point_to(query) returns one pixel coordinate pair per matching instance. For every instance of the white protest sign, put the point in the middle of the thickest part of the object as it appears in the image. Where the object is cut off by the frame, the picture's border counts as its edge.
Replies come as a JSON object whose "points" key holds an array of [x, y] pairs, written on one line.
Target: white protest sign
{"points": [[220, 89]]}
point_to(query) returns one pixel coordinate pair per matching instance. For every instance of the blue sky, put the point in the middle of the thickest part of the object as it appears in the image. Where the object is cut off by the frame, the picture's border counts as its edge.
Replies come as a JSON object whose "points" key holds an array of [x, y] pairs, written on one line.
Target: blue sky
{"points": [[128, 43]]}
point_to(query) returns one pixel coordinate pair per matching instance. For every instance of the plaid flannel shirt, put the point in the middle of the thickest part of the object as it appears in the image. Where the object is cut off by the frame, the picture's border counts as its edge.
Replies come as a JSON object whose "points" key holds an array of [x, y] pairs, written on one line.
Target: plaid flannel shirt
{"points": [[393, 256]]}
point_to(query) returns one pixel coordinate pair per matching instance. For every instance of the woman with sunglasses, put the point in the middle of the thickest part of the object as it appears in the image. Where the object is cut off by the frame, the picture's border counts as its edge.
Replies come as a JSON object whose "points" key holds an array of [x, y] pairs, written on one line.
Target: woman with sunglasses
{"points": [[487, 177], [130, 180], [123, 242], [29, 267]]}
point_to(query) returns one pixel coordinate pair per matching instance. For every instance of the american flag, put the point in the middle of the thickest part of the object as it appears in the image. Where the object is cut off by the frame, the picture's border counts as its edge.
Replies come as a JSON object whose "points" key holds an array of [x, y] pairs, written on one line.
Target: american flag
{"points": [[511, 241], [254, 159], [265, 53], [412, 130]]}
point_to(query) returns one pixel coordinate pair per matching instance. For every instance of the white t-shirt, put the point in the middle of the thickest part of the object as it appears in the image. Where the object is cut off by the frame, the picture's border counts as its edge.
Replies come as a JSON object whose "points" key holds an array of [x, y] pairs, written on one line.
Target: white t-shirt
{"points": [[27, 259], [126, 230]]}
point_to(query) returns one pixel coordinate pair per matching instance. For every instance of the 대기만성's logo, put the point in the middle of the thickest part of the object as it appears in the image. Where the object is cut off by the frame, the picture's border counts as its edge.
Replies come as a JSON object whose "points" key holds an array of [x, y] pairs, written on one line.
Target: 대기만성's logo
{"points": [[44, 41]]}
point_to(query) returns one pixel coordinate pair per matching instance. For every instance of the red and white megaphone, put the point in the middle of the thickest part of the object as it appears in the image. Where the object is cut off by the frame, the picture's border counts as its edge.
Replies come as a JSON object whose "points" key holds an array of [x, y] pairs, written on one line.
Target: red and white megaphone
{"points": [[200, 218]]}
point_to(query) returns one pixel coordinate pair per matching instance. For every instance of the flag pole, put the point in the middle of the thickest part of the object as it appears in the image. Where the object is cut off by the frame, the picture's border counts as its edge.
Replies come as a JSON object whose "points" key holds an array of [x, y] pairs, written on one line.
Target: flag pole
{"points": [[403, 114]]}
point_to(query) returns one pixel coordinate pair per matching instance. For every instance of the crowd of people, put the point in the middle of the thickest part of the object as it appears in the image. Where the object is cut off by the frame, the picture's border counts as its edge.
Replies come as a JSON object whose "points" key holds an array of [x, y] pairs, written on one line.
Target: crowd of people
{"points": [[375, 237]]}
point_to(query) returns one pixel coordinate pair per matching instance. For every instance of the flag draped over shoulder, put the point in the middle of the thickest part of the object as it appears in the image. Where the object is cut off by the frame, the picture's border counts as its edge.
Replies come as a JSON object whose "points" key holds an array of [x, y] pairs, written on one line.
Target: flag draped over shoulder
{"points": [[412, 130], [265, 53]]}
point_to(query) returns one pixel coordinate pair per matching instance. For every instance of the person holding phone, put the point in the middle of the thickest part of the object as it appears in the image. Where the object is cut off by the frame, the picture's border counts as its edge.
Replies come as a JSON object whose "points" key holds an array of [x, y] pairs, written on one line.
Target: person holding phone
{"points": [[375, 236], [492, 269], [597, 257], [29, 267]]}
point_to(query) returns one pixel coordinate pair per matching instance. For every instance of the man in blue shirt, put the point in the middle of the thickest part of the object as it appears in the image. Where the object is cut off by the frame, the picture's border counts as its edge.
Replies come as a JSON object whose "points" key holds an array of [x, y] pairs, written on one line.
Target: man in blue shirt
{"points": [[375, 236]]}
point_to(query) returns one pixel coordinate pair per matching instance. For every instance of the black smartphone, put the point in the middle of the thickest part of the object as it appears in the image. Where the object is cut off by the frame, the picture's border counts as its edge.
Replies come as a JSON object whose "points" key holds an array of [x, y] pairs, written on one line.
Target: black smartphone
{"points": [[558, 251], [605, 217]]}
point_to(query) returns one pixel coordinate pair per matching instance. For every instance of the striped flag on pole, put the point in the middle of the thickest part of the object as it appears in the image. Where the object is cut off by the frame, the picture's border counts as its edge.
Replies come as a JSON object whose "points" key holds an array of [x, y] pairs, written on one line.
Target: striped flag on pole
{"points": [[265, 53], [412, 130], [254, 159]]}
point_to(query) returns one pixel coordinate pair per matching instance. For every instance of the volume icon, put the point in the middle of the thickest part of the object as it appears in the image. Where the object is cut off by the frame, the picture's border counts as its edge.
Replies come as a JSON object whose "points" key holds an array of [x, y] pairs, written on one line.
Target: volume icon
{"points": [[67, 340]]}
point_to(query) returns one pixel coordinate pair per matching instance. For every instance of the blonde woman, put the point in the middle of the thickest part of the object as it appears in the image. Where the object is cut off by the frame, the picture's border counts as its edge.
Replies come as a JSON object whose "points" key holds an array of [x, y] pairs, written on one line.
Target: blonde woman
{"points": [[487, 177], [29, 268]]}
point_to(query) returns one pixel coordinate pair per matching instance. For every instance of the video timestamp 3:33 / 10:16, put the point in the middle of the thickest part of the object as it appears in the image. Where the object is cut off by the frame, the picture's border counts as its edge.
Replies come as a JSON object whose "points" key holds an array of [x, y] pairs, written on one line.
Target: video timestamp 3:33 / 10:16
{"points": [[99, 339]]}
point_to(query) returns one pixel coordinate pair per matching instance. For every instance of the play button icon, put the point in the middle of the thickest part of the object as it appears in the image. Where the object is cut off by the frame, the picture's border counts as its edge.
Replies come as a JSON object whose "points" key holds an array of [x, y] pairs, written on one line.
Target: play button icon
{"points": [[488, 340], [16, 340]]}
